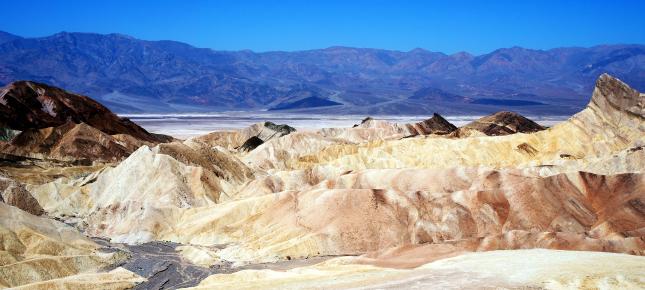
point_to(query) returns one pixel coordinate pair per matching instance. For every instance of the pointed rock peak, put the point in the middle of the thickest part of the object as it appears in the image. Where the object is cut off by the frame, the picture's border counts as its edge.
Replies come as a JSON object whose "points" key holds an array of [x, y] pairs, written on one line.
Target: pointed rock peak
{"points": [[611, 94], [439, 118], [498, 124], [435, 125], [367, 119], [365, 123]]}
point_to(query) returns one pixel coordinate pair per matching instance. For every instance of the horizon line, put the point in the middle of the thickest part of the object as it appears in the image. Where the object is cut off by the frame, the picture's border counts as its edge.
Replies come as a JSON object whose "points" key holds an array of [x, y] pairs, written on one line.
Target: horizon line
{"points": [[323, 48]]}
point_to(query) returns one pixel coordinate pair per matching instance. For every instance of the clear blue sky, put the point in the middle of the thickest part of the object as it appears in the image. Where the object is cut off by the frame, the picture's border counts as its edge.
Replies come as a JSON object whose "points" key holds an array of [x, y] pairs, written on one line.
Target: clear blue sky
{"points": [[447, 26]]}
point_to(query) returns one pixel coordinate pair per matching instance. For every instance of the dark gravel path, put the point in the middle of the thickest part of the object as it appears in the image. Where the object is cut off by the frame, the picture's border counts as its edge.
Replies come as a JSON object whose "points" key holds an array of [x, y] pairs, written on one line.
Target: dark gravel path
{"points": [[160, 264]]}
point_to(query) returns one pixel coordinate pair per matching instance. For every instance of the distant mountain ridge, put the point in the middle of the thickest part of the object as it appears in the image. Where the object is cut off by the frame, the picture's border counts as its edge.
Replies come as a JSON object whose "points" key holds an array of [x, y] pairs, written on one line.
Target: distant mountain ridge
{"points": [[131, 75]]}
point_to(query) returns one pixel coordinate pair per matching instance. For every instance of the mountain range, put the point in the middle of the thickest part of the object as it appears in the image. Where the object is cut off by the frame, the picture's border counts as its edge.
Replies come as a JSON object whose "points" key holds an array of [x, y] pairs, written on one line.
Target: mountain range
{"points": [[130, 75]]}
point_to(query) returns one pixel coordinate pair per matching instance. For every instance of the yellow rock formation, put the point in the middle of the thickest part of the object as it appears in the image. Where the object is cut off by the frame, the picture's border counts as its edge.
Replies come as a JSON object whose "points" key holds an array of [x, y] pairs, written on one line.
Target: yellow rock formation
{"points": [[39, 253], [517, 269]]}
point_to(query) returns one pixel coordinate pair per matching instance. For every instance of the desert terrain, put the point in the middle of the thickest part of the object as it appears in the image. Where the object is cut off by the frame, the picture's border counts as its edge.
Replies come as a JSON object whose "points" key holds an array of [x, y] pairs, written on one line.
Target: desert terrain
{"points": [[91, 200]]}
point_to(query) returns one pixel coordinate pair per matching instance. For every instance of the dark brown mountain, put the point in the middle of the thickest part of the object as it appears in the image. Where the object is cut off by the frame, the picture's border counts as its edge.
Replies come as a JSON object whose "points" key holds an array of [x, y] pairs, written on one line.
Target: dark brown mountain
{"points": [[77, 143], [26, 105], [435, 125], [500, 123]]}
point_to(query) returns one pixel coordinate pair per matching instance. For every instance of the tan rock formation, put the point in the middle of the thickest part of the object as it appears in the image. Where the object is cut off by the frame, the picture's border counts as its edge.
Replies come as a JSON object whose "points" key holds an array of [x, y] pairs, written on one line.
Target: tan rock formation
{"points": [[517, 269], [602, 129], [135, 200], [478, 210], [236, 139], [373, 130], [37, 253], [138, 195]]}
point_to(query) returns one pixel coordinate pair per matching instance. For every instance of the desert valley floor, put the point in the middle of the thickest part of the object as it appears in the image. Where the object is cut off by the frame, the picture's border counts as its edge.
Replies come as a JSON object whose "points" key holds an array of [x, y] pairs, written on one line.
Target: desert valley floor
{"points": [[185, 126], [89, 200]]}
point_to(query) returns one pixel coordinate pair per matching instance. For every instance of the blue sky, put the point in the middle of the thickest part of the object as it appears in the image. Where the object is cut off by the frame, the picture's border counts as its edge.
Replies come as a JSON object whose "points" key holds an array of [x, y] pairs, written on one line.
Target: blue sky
{"points": [[446, 26]]}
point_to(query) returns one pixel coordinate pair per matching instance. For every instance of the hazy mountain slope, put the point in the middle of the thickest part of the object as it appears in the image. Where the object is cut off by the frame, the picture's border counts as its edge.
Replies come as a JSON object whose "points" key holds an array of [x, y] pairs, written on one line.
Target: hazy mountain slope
{"points": [[6, 37], [129, 75]]}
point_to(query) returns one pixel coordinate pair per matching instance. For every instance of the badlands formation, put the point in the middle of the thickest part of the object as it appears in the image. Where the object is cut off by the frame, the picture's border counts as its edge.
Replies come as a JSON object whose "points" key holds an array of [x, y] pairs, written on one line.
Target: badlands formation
{"points": [[499, 203]]}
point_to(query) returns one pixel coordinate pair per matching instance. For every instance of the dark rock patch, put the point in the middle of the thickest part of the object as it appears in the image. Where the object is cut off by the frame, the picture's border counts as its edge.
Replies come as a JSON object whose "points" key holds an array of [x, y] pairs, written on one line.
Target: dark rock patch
{"points": [[15, 194], [435, 125], [282, 129], [499, 124], [160, 264], [310, 102], [251, 144]]}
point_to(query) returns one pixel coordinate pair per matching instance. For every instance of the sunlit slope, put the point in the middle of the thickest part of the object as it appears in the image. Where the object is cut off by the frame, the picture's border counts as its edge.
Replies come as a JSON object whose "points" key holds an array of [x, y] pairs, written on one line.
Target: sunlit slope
{"points": [[612, 121], [40, 253]]}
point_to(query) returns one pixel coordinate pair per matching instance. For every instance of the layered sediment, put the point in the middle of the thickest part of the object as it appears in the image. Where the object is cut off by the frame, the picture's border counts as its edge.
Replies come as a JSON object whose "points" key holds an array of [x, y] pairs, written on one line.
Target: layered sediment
{"points": [[45, 122], [420, 204]]}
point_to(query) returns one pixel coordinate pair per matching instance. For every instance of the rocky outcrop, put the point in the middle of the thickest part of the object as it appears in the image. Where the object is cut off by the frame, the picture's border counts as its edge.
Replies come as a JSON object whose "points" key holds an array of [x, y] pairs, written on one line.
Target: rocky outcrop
{"points": [[7, 134], [80, 143], [30, 105], [374, 130], [251, 144], [224, 165], [15, 194], [143, 194], [246, 139], [499, 124], [59, 125], [599, 130], [435, 125], [614, 97], [267, 132]]}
